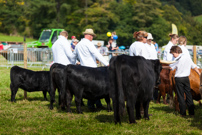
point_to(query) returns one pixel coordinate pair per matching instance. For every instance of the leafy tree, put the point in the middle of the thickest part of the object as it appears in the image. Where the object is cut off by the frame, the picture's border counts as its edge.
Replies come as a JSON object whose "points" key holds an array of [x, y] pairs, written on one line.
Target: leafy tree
{"points": [[11, 17]]}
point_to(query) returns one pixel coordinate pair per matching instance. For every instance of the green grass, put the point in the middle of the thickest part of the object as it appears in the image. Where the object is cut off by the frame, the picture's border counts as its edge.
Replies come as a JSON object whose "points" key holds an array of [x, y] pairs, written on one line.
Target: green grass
{"points": [[32, 116], [4, 37], [198, 18]]}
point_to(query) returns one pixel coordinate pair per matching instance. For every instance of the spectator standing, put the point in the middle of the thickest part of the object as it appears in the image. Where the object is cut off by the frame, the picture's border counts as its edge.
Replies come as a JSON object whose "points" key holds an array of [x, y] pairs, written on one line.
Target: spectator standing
{"points": [[102, 51], [152, 54], [112, 47], [173, 41], [183, 65], [87, 54], [75, 42], [62, 50], [73, 38], [182, 45], [138, 48]]}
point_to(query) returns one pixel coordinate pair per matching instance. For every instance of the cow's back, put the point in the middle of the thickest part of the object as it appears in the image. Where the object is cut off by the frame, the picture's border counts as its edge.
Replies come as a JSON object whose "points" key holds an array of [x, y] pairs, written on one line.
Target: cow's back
{"points": [[94, 82], [29, 80]]}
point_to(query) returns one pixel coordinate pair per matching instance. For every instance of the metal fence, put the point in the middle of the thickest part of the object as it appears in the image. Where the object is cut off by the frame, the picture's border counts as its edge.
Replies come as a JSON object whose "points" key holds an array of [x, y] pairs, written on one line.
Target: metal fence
{"points": [[42, 57], [36, 57]]}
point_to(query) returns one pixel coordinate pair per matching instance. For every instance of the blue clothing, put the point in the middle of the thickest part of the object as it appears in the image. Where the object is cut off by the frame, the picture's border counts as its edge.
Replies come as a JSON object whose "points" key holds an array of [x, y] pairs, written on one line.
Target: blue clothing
{"points": [[73, 47], [156, 46]]}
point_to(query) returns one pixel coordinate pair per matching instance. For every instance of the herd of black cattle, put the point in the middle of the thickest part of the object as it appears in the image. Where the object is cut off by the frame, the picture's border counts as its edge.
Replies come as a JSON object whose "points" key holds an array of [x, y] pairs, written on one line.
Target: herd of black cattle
{"points": [[127, 78]]}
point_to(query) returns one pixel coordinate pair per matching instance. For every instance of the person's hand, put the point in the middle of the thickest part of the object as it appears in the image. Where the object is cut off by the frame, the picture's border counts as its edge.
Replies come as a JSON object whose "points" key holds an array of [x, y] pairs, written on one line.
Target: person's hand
{"points": [[78, 63]]}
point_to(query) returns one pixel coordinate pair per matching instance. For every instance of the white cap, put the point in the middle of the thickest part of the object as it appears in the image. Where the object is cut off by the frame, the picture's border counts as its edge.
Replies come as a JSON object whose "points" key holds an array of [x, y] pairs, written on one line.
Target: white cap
{"points": [[149, 36]]}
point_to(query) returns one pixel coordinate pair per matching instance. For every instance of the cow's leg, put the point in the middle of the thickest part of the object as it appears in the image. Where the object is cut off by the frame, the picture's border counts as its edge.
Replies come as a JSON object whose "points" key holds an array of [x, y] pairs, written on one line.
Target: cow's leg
{"points": [[13, 92], [146, 108], [78, 103], [44, 95], [159, 97], [117, 118], [137, 108], [130, 109], [52, 96], [82, 103], [107, 99], [68, 100]]}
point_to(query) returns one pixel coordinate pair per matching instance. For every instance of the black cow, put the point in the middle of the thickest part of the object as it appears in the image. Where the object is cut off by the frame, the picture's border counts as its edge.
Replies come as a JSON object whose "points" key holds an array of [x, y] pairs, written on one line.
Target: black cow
{"points": [[57, 81], [29, 81], [132, 79], [86, 82]]}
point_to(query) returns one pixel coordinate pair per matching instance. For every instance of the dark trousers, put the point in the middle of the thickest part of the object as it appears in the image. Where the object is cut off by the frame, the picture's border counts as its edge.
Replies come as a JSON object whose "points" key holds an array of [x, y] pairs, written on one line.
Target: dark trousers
{"points": [[183, 86], [92, 102]]}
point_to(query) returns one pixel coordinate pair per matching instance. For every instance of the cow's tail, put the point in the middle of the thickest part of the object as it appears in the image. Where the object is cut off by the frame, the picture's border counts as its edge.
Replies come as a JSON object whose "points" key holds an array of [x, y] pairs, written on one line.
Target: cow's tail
{"points": [[119, 94], [64, 88]]}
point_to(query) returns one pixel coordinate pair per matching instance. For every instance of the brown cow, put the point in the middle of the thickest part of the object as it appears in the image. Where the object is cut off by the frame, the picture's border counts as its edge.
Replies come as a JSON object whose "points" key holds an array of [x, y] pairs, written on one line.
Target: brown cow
{"points": [[166, 85], [194, 84]]}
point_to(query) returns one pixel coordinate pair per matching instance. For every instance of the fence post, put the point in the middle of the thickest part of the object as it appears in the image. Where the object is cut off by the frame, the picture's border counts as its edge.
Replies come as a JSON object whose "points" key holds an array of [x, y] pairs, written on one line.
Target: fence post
{"points": [[25, 61], [194, 54]]}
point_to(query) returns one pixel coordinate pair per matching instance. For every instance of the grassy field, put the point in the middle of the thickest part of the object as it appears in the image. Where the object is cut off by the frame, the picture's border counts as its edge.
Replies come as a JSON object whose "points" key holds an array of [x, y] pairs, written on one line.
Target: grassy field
{"points": [[198, 18], [4, 37], [32, 116]]}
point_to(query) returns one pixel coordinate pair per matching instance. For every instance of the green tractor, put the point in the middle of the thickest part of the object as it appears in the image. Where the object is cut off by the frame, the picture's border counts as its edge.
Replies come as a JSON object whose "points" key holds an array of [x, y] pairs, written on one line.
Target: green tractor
{"points": [[46, 39]]}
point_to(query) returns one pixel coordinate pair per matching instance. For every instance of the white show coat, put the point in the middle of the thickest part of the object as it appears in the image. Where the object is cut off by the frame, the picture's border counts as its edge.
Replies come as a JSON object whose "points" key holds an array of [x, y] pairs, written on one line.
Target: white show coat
{"points": [[62, 51], [87, 53], [138, 49], [167, 55]]}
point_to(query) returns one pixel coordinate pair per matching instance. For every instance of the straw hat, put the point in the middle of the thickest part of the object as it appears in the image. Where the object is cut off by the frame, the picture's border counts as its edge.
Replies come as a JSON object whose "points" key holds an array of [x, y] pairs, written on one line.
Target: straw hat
{"points": [[166, 62], [90, 32], [98, 44], [149, 36]]}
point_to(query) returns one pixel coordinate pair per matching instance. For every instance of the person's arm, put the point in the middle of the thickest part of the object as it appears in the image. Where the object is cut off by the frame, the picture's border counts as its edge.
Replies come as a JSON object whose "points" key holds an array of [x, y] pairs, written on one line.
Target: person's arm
{"points": [[96, 53], [166, 67], [197, 71]]}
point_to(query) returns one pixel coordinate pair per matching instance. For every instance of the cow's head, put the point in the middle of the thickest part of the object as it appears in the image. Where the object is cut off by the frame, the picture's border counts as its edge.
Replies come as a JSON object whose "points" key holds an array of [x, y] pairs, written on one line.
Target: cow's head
{"points": [[157, 69]]}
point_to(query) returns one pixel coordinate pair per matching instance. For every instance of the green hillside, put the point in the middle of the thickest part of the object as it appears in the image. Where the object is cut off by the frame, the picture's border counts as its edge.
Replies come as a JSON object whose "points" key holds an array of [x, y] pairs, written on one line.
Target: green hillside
{"points": [[4, 37], [198, 18]]}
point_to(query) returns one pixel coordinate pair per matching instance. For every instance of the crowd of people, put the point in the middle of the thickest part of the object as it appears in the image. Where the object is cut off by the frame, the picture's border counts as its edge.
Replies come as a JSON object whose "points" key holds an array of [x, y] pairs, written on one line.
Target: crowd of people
{"points": [[86, 53]]}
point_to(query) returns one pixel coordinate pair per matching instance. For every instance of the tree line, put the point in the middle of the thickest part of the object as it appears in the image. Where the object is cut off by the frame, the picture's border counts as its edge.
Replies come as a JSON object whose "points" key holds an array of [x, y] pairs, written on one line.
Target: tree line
{"points": [[29, 17]]}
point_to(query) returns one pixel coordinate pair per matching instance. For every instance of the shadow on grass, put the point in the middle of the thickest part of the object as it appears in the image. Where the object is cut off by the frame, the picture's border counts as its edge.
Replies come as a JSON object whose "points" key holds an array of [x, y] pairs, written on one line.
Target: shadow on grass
{"points": [[197, 119], [166, 109]]}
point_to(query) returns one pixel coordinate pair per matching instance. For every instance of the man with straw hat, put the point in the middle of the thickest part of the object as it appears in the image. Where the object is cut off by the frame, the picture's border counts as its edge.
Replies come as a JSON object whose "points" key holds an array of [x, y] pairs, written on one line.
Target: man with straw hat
{"points": [[87, 53]]}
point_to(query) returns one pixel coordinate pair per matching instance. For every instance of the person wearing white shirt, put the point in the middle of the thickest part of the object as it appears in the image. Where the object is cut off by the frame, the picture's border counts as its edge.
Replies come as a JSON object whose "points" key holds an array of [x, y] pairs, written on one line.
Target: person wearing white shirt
{"points": [[87, 54], [152, 53], [183, 66], [182, 45], [62, 50], [167, 55], [138, 48]]}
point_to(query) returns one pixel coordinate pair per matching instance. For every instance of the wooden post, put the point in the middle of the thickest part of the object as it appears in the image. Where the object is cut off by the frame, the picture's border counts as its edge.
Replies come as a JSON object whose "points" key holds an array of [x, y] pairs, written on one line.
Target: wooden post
{"points": [[194, 54], [25, 62]]}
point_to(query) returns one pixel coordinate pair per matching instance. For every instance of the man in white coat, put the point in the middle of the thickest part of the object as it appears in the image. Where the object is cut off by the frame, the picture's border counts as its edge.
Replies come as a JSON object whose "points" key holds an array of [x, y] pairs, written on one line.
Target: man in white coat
{"points": [[62, 50], [87, 53]]}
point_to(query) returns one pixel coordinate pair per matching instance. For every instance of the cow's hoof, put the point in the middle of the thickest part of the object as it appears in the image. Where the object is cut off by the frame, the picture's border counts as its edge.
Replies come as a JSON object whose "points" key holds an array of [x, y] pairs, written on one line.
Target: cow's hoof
{"points": [[51, 108]]}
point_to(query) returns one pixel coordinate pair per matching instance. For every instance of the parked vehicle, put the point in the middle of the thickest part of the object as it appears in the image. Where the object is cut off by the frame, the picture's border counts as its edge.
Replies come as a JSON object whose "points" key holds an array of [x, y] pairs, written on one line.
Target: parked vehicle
{"points": [[46, 39]]}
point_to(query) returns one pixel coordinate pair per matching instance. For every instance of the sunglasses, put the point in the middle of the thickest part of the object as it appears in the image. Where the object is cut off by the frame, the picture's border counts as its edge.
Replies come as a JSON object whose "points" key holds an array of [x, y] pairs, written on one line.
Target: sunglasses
{"points": [[145, 37]]}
